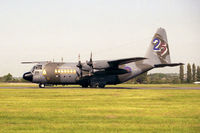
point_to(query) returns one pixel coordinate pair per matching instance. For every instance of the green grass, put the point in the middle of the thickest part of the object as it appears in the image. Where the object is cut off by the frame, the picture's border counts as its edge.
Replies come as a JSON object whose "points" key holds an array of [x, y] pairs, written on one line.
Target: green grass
{"points": [[3, 84], [99, 110], [156, 85], [119, 85]]}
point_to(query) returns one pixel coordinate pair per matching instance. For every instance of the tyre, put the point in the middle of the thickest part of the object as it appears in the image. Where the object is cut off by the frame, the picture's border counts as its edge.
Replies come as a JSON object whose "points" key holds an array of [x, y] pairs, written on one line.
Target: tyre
{"points": [[84, 85], [101, 85], [93, 85], [42, 85]]}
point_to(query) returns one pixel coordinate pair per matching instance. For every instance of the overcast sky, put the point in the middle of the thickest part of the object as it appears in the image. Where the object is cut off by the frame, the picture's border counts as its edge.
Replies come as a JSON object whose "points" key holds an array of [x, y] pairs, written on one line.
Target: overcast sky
{"points": [[40, 30]]}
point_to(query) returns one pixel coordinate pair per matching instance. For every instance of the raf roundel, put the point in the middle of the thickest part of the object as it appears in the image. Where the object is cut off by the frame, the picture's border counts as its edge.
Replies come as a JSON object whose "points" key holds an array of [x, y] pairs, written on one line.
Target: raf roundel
{"points": [[128, 69]]}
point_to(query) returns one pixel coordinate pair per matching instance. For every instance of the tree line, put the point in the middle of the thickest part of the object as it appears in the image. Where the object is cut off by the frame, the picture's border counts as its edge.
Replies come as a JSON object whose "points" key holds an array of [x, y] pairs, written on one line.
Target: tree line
{"points": [[10, 78], [192, 75]]}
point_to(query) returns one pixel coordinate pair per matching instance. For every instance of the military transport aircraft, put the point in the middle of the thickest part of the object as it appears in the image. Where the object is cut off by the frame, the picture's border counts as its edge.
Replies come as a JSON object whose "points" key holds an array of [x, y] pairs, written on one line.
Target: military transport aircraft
{"points": [[102, 72]]}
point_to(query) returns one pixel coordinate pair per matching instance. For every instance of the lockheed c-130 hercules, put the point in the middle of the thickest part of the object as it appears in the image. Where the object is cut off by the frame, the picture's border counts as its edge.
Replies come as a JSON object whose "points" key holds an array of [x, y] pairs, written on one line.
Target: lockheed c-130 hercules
{"points": [[102, 72]]}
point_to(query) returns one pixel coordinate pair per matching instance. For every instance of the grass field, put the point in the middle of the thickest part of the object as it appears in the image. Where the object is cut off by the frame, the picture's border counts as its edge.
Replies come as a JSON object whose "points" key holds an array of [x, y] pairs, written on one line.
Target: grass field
{"points": [[99, 110], [119, 85]]}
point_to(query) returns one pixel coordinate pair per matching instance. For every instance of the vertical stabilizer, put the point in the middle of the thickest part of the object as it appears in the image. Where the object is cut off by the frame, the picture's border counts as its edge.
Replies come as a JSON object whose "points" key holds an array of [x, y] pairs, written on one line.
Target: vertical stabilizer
{"points": [[158, 51]]}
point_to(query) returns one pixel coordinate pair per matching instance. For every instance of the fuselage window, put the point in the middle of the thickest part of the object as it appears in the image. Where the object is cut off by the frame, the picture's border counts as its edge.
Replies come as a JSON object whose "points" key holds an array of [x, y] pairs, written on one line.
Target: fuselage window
{"points": [[74, 71], [65, 71], [71, 71]]}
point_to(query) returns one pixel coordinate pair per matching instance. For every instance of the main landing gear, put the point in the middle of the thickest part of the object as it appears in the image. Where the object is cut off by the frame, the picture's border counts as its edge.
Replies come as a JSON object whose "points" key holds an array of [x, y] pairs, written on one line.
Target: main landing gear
{"points": [[93, 85], [84, 85]]}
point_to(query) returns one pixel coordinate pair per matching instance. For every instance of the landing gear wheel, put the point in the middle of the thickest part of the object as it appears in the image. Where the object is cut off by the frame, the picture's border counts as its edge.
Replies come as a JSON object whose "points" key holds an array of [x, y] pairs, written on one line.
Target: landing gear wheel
{"points": [[93, 85], [42, 85], [84, 85], [101, 85]]}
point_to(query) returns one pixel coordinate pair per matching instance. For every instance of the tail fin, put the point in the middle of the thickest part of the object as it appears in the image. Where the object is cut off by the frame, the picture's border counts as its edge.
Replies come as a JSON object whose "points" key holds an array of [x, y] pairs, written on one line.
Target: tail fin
{"points": [[158, 51]]}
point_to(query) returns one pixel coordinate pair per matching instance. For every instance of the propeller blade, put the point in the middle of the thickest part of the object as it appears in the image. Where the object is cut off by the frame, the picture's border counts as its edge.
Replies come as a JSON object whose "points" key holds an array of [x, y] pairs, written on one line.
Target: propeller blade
{"points": [[90, 62], [79, 58], [79, 65], [91, 57]]}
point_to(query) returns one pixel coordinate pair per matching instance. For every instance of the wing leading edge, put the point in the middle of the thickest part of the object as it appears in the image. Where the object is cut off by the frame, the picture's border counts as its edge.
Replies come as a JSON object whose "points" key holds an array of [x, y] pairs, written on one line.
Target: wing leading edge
{"points": [[125, 61]]}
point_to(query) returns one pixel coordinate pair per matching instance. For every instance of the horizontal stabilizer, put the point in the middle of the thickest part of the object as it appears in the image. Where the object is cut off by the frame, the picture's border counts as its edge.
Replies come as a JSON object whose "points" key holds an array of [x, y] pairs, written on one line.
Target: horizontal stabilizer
{"points": [[169, 65], [125, 61]]}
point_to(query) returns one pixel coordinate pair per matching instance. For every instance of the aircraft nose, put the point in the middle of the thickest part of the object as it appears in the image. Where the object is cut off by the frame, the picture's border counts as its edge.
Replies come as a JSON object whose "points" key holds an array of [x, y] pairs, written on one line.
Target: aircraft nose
{"points": [[28, 76]]}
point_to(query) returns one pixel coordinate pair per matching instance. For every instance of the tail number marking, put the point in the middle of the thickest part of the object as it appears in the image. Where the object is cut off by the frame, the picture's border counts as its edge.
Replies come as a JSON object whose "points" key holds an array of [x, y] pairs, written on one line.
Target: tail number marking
{"points": [[156, 43], [160, 46]]}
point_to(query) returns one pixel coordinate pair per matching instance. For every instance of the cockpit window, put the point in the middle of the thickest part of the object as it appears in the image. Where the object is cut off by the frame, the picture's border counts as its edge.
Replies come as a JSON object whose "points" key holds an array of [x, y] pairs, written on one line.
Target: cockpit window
{"points": [[32, 70], [38, 67]]}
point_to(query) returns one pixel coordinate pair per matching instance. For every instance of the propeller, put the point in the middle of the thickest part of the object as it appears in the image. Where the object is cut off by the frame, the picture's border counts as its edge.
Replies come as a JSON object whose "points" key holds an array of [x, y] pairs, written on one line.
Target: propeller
{"points": [[90, 63], [79, 65]]}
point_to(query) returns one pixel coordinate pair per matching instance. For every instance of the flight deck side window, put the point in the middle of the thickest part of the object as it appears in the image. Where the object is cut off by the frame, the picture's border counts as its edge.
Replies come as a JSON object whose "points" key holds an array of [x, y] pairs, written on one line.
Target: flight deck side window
{"points": [[38, 67], [32, 70]]}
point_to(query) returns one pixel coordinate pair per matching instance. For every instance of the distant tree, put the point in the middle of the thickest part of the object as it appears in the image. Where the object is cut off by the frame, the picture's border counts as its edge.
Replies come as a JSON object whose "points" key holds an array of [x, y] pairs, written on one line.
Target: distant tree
{"points": [[142, 78], [131, 81], [198, 73], [176, 80], [189, 73], [193, 72], [7, 77], [181, 73]]}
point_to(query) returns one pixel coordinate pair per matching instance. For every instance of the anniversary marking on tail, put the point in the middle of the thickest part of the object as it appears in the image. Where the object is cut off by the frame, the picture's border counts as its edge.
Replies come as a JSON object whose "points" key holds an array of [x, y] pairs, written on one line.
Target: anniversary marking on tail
{"points": [[102, 72]]}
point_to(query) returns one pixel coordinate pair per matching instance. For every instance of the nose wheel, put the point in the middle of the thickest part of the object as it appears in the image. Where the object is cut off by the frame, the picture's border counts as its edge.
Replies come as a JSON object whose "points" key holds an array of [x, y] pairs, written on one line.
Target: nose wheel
{"points": [[42, 85]]}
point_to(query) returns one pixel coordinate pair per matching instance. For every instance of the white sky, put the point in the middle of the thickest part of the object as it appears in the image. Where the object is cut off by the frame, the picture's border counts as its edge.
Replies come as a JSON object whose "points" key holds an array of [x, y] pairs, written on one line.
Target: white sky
{"points": [[40, 30]]}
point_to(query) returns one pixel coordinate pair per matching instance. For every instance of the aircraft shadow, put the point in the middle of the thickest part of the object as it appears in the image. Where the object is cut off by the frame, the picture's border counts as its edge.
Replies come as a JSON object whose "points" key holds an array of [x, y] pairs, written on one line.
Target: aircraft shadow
{"points": [[90, 88]]}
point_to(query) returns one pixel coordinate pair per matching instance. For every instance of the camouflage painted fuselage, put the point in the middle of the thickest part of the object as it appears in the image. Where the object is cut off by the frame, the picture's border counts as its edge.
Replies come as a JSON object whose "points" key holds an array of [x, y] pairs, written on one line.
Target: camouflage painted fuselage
{"points": [[69, 73], [101, 73]]}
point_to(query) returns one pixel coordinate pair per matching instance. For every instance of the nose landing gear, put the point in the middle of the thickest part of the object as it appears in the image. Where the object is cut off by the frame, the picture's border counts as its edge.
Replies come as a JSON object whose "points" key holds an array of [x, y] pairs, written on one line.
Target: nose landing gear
{"points": [[42, 85]]}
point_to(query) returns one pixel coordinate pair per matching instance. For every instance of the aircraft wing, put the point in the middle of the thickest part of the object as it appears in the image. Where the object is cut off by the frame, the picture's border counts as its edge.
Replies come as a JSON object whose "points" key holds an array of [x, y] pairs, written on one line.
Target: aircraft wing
{"points": [[125, 61], [113, 64]]}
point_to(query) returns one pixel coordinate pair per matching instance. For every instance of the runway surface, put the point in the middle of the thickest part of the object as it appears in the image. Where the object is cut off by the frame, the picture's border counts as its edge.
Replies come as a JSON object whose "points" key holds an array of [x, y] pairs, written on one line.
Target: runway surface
{"points": [[195, 88]]}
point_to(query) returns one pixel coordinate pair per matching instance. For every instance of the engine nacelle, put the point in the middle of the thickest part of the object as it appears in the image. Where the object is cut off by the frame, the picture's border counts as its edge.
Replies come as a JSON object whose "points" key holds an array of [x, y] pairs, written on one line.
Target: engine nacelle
{"points": [[100, 64]]}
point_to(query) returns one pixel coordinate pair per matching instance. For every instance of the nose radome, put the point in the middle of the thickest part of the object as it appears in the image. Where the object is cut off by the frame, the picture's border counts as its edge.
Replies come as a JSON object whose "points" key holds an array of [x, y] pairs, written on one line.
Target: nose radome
{"points": [[28, 76]]}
